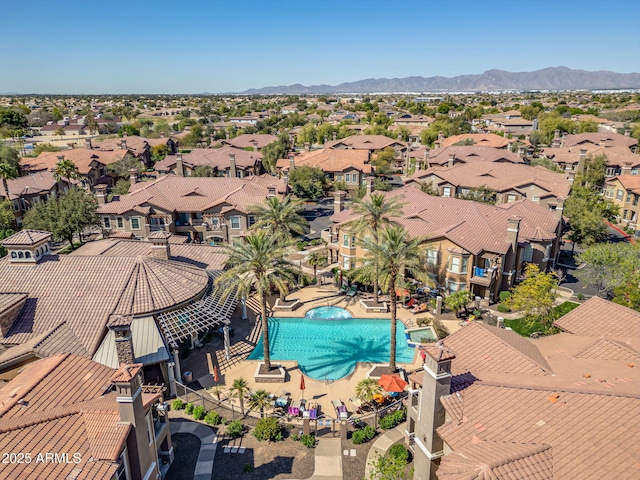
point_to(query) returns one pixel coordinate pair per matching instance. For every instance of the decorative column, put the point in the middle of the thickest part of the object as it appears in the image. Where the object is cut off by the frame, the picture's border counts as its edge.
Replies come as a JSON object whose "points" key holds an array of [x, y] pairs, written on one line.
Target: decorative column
{"points": [[176, 366], [244, 309]]}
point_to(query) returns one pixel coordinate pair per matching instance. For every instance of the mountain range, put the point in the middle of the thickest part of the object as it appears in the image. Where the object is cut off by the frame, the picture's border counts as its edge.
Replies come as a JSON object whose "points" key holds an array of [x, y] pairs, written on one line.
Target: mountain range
{"points": [[552, 78]]}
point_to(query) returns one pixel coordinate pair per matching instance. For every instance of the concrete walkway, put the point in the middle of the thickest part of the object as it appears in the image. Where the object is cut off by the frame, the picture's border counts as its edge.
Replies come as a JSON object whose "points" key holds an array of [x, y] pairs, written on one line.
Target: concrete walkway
{"points": [[208, 445], [328, 460], [381, 445]]}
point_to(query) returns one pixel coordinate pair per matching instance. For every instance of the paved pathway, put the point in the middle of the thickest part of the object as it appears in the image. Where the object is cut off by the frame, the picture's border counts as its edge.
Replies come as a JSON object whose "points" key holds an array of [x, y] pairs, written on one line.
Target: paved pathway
{"points": [[208, 445], [381, 445], [328, 460]]}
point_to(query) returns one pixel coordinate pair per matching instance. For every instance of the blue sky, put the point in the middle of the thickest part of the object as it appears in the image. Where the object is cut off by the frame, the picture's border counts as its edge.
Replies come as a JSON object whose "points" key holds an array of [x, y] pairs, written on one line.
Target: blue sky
{"points": [[153, 46]]}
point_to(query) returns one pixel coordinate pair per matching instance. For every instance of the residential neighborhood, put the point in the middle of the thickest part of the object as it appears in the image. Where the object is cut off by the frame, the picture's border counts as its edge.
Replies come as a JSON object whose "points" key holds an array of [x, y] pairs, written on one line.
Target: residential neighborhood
{"points": [[359, 258]]}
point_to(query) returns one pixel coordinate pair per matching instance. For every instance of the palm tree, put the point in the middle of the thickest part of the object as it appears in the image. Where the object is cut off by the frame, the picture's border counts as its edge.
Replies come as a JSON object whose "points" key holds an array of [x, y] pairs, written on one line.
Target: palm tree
{"points": [[240, 388], [217, 390], [281, 217], [258, 263], [392, 255], [374, 213], [258, 400], [366, 389], [317, 259], [7, 172], [66, 169]]}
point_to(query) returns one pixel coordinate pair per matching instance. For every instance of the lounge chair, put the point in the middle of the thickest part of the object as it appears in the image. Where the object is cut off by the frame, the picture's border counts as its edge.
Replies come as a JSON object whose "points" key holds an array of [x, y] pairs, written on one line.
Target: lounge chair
{"points": [[409, 304], [281, 402], [294, 408], [420, 308], [353, 290]]}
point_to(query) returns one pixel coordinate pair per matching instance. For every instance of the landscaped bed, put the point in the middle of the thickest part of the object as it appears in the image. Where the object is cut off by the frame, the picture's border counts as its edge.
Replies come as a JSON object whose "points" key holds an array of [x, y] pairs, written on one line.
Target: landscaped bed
{"points": [[526, 327]]}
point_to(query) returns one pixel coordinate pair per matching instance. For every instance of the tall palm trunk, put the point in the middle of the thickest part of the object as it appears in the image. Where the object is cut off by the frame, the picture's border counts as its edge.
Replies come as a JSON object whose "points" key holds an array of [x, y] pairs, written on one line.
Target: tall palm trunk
{"points": [[394, 306], [265, 329], [241, 399], [375, 285], [6, 187]]}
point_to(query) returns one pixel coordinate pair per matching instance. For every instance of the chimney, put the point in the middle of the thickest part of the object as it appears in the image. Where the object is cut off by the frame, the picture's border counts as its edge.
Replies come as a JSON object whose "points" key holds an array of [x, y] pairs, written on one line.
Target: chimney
{"points": [[626, 168], [559, 207], [160, 247], [133, 176], [436, 384], [425, 159], [564, 137], [452, 159], [603, 142], [535, 124], [161, 134], [128, 381], [271, 191], [627, 133], [254, 143], [226, 134], [338, 201], [232, 166], [369, 184], [335, 136], [556, 139], [521, 152], [87, 143], [60, 158], [123, 144], [179, 165], [120, 325], [399, 137], [292, 162], [125, 134], [307, 146], [513, 230], [527, 138], [101, 193], [326, 139], [582, 160]]}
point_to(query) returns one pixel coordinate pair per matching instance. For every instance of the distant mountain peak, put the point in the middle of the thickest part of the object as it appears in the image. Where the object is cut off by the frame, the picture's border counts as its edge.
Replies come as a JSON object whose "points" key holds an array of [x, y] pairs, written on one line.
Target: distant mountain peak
{"points": [[550, 78]]}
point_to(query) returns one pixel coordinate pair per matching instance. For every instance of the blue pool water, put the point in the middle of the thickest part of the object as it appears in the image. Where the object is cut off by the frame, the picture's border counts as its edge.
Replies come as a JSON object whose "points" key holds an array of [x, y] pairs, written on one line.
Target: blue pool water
{"points": [[328, 312], [330, 348]]}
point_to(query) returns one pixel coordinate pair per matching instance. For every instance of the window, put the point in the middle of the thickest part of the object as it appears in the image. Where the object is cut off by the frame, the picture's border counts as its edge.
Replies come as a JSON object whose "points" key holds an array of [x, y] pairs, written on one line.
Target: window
{"points": [[432, 257], [16, 206], [628, 200], [135, 223], [458, 264], [345, 240], [528, 253], [619, 195], [120, 222], [251, 219], [511, 198], [27, 254], [635, 200], [634, 171], [610, 192], [446, 191], [106, 222], [235, 222], [547, 252], [215, 221], [121, 472]]}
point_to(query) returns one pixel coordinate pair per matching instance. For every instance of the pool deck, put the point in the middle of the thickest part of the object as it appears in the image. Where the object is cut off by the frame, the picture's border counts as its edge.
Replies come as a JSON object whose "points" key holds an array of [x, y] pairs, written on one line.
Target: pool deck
{"points": [[247, 334]]}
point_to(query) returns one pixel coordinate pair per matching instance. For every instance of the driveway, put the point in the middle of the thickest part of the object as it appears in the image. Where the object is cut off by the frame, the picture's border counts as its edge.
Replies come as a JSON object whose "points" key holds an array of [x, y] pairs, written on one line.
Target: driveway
{"points": [[317, 214]]}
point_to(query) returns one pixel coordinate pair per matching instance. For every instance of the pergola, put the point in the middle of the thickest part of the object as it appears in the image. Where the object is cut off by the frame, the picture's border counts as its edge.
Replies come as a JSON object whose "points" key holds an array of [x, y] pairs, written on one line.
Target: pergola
{"points": [[211, 310]]}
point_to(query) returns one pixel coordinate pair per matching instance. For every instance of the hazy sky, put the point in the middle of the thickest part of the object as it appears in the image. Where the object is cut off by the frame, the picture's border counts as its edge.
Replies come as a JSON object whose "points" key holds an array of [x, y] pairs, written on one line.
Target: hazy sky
{"points": [[193, 46]]}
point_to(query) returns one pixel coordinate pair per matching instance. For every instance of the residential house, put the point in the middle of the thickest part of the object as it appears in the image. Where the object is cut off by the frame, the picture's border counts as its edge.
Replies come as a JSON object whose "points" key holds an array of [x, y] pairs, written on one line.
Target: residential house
{"points": [[475, 246], [370, 143], [510, 182], [246, 141], [129, 293], [227, 161], [454, 155], [138, 147], [209, 209], [601, 139], [624, 191], [26, 191], [620, 160], [69, 417], [493, 404], [349, 166], [478, 139], [92, 164]]}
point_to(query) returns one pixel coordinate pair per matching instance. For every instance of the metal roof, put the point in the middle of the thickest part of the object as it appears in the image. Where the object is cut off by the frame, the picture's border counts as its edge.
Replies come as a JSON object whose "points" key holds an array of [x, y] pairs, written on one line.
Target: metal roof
{"points": [[148, 345]]}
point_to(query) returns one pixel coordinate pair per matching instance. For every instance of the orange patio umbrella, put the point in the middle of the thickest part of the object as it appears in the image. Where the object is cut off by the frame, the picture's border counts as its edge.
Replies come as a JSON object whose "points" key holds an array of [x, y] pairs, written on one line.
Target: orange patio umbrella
{"points": [[402, 292], [392, 383]]}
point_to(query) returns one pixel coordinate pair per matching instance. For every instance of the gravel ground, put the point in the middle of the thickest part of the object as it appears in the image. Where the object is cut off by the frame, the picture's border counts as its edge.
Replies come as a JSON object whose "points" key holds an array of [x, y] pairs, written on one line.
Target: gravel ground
{"points": [[353, 467], [186, 448]]}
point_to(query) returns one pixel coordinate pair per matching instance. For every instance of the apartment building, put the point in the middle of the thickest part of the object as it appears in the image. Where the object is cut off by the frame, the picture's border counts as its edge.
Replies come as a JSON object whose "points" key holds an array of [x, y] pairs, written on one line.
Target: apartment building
{"points": [[624, 191]]}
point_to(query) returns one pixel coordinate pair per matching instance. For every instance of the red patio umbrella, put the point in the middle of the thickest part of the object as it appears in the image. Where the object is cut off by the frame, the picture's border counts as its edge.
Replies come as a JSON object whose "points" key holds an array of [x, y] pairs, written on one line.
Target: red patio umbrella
{"points": [[392, 383], [215, 374], [402, 292], [302, 385]]}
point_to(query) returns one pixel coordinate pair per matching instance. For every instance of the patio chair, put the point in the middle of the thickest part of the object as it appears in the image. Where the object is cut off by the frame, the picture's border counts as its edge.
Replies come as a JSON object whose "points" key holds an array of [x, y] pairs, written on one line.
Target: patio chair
{"points": [[294, 408], [353, 290], [420, 308], [410, 304]]}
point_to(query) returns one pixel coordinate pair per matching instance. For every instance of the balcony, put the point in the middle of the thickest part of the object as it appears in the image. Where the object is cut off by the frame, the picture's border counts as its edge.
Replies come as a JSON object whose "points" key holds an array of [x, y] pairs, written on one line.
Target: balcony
{"points": [[482, 276], [330, 238]]}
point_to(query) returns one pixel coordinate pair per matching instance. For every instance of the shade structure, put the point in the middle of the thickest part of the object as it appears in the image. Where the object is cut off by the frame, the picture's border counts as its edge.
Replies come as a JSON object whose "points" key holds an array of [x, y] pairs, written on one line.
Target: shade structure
{"points": [[402, 292], [392, 383], [302, 385]]}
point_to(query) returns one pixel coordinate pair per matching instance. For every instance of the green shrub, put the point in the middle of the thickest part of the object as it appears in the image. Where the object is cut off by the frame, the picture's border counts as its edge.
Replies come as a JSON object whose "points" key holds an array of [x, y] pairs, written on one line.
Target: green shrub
{"points": [[423, 322], [364, 435], [504, 296], [308, 441], [399, 452], [268, 429], [580, 296], [502, 308], [177, 404], [301, 244], [248, 468], [188, 409], [198, 413], [235, 428], [393, 420], [213, 418]]}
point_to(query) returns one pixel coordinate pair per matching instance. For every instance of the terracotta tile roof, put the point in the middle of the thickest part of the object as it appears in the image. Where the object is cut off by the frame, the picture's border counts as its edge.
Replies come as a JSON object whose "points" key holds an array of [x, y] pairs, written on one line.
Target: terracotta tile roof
{"points": [[134, 143], [159, 235], [82, 157], [480, 347], [611, 139], [493, 460], [616, 155], [107, 435], [439, 352], [608, 349], [588, 441], [34, 183], [25, 238], [331, 160], [217, 158], [472, 153], [119, 320], [598, 315], [500, 177], [481, 139], [474, 226], [366, 142], [9, 300], [629, 182], [171, 193], [126, 373], [247, 140]]}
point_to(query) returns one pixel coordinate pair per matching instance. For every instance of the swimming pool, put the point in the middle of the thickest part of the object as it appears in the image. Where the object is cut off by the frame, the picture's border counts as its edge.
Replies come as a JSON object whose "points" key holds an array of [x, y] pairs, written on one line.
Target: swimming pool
{"points": [[328, 313], [421, 335], [330, 349]]}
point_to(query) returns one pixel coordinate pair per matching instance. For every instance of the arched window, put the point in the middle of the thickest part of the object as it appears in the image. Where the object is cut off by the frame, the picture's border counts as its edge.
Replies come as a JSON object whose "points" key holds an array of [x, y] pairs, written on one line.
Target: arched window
{"points": [[46, 248], [20, 255], [27, 254], [14, 255]]}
